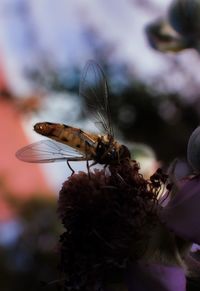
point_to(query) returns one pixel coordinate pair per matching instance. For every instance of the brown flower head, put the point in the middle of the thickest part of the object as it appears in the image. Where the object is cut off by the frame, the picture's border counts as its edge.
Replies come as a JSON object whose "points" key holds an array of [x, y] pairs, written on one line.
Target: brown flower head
{"points": [[108, 218]]}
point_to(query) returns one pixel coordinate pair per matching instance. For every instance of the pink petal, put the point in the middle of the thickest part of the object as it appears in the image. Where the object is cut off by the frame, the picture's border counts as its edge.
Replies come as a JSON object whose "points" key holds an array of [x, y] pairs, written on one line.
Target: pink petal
{"points": [[182, 213]]}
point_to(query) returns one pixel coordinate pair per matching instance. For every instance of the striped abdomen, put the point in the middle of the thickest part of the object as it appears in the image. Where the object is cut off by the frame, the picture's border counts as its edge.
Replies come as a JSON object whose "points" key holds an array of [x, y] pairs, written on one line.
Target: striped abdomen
{"points": [[71, 136]]}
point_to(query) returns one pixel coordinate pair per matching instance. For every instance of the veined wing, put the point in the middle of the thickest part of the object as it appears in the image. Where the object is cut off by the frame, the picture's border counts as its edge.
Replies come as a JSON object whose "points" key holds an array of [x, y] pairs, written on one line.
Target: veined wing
{"points": [[48, 151], [94, 89]]}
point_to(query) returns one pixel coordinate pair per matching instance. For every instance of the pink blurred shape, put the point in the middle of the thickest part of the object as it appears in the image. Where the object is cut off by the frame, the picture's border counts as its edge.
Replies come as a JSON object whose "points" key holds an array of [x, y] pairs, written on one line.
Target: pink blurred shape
{"points": [[17, 178]]}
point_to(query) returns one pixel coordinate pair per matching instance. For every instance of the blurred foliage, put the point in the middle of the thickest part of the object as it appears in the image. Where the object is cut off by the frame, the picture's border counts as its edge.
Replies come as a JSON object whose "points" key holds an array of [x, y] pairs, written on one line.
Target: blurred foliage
{"points": [[32, 258], [164, 121]]}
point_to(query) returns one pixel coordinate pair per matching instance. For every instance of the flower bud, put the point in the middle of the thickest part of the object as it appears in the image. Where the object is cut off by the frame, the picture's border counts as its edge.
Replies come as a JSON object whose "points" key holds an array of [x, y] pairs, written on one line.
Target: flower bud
{"points": [[184, 16], [193, 150], [162, 37]]}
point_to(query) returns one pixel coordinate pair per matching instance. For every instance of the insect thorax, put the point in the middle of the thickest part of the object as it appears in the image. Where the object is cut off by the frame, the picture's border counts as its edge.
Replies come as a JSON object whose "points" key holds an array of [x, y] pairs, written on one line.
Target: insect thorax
{"points": [[110, 152]]}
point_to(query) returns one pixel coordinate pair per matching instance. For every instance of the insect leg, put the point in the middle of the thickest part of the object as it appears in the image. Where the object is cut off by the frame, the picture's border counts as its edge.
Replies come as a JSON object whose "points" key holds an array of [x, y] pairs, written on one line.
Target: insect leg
{"points": [[87, 161], [88, 167], [70, 168]]}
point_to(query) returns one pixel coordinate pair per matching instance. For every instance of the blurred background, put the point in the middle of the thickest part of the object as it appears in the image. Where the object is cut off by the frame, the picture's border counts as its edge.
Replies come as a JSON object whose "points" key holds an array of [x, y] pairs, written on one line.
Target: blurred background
{"points": [[44, 45]]}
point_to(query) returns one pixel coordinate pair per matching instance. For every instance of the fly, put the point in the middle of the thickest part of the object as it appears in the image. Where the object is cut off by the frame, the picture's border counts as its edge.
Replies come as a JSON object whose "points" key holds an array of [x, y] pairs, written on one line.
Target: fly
{"points": [[67, 143]]}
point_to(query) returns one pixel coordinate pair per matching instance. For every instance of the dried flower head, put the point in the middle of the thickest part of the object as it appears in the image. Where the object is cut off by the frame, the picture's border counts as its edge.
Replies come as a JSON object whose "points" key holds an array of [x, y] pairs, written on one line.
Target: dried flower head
{"points": [[108, 218]]}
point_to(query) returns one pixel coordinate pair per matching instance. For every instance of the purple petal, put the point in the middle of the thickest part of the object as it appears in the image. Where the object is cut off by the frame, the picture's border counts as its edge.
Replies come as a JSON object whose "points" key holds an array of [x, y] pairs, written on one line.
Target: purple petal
{"points": [[182, 213], [193, 264], [148, 276]]}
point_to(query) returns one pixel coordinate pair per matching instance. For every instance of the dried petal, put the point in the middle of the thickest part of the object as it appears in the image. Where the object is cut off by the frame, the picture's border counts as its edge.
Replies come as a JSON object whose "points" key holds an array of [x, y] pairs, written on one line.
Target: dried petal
{"points": [[193, 150]]}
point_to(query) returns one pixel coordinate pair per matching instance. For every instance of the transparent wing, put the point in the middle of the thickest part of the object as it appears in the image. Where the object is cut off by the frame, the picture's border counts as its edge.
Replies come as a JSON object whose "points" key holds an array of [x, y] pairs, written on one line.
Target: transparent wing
{"points": [[48, 151], [94, 89]]}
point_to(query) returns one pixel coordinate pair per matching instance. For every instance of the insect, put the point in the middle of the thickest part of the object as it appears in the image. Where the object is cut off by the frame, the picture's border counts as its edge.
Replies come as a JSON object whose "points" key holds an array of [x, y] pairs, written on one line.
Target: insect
{"points": [[67, 143]]}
